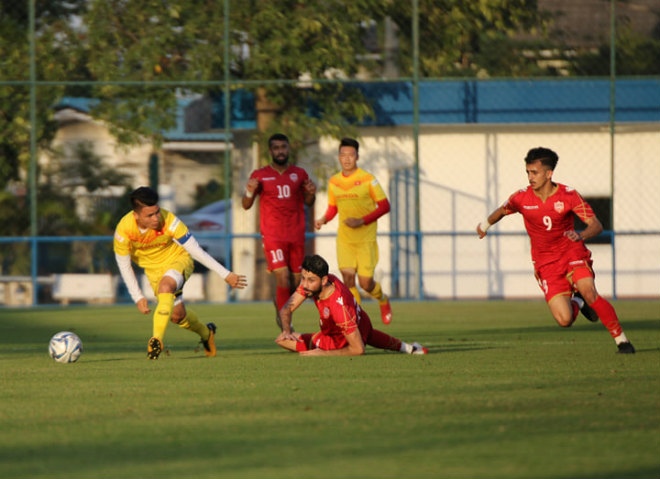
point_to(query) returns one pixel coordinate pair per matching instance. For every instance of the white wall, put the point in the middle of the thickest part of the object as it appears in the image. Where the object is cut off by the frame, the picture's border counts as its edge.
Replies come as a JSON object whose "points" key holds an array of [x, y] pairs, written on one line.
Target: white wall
{"points": [[467, 171]]}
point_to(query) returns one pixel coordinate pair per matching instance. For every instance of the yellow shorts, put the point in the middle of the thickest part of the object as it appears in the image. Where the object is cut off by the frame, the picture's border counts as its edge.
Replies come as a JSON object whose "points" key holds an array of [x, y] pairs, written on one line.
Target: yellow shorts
{"points": [[362, 257], [183, 264]]}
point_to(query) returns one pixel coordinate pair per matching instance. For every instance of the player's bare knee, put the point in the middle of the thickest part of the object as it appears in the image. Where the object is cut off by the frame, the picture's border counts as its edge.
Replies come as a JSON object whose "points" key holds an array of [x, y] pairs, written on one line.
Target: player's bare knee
{"points": [[590, 296], [564, 321], [367, 284]]}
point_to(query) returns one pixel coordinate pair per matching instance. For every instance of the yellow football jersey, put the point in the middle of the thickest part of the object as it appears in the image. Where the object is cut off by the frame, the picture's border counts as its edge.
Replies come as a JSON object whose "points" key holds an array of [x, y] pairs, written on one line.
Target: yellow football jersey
{"points": [[355, 196], [150, 248]]}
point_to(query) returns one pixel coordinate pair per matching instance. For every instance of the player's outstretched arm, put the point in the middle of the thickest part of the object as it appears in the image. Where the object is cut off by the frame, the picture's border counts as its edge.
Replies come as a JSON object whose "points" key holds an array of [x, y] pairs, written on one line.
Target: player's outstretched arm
{"points": [[286, 315], [493, 218], [236, 281]]}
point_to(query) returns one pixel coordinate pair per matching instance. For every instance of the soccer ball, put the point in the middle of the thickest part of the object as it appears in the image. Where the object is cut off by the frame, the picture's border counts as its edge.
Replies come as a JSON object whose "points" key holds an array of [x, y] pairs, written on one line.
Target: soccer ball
{"points": [[65, 347]]}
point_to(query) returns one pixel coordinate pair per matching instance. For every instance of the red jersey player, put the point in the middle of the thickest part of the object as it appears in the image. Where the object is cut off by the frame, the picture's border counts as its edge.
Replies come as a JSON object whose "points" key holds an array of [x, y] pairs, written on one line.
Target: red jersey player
{"points": [[345, 326], [562, 264], [284, 190]]}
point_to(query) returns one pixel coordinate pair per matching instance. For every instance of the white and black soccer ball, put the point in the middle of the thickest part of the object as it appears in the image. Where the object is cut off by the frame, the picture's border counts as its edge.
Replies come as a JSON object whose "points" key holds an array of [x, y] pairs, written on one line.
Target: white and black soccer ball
{"points": [[65, 347]]}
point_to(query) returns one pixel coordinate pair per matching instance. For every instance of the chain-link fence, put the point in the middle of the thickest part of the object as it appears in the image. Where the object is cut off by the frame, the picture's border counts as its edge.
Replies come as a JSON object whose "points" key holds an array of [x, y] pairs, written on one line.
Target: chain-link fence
{"points": [[445, 97]]}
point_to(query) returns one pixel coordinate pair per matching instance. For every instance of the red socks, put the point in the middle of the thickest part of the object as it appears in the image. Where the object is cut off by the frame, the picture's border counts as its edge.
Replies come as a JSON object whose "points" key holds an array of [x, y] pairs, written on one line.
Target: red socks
{"points": [[282, 294], [607, 315]]}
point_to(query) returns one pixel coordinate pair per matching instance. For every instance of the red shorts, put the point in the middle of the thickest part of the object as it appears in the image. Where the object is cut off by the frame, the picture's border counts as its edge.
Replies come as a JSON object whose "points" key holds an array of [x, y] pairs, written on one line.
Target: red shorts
{"points": [[559, 277], [327, 342], [284, 254]]}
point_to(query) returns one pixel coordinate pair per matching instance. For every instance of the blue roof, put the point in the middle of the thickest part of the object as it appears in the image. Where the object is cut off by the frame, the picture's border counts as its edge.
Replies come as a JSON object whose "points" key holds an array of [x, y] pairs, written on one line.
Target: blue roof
{"points": [[515, 101], [458, 102]]}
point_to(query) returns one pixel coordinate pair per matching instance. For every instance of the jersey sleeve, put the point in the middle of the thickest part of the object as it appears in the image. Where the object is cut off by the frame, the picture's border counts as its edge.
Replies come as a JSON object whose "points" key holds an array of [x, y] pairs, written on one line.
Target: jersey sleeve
{"points": [[581, 208], [376, 191], [176, 228], [332, 201], [512, 204], [121, 243]]}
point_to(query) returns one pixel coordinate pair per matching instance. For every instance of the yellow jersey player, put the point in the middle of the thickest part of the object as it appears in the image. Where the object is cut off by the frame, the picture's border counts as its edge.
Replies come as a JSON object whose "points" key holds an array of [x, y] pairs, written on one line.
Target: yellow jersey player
{"points": [[360, 200], [159, 242]]}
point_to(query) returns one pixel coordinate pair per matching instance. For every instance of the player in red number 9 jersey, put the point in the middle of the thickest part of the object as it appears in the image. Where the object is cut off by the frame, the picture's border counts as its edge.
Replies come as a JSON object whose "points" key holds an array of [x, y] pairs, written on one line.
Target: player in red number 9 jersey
{"points": [[284, 189], [562, 264]]}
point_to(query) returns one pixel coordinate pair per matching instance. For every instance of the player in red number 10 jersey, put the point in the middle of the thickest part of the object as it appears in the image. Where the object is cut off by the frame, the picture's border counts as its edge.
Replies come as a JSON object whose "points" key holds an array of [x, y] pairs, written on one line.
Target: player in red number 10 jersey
{"points": [[284, 189], [562, 264]]}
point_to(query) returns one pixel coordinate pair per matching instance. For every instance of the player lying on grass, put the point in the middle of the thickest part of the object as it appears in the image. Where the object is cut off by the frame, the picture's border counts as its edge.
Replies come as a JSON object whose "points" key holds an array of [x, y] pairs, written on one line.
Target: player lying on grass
{"points": [[345, 326], [562, 264], [159, 242]]}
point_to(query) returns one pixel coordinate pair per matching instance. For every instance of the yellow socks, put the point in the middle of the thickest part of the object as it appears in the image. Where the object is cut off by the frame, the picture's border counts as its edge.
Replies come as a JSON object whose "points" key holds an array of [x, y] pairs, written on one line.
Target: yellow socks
{"points": [[377, 293], [356, 293], [192, 323], [162, 314]]}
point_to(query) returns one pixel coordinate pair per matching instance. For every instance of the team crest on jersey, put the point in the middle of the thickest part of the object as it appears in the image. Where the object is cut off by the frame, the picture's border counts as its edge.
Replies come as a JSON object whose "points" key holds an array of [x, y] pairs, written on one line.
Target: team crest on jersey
{"points": [[294, 177], [326, 312], [559, 206]]}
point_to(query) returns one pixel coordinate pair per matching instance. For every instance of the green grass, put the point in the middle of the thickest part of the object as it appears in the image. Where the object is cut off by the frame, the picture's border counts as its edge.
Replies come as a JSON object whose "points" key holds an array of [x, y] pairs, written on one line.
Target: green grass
{"points": [[504, 393]]}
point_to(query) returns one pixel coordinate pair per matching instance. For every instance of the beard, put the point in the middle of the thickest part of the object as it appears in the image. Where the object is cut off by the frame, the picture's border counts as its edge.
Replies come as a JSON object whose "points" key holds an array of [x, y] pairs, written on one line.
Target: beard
{"points": [[312, 293], [281, 160]]}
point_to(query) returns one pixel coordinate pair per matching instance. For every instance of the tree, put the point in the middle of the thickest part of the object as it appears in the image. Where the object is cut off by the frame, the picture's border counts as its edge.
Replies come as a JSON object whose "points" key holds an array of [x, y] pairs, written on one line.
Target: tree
{"points": [[458, 38], [636, 54], [56, 59]]}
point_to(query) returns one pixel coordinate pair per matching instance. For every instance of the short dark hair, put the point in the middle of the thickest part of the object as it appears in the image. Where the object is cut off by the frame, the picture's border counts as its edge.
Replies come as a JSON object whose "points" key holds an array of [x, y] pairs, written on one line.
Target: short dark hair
{"points": [[548, 157], [143, 196], [316, 264], [277, 137], [350, 142]]}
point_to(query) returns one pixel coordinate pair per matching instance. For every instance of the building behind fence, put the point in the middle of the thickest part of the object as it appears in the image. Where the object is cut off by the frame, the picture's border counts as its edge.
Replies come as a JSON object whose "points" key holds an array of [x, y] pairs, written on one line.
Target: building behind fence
{"points": [[446, 161]]}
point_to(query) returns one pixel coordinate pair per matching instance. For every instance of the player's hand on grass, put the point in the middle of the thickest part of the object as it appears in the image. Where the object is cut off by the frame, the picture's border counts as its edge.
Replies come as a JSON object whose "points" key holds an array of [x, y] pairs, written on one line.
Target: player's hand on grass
{"points": [[143, 306], [236, 281], [284, 335]]}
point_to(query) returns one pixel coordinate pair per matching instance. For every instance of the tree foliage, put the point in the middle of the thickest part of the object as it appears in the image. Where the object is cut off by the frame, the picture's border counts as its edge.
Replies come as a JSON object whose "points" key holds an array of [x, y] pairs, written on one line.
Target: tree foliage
{"points": [[280, 43]]}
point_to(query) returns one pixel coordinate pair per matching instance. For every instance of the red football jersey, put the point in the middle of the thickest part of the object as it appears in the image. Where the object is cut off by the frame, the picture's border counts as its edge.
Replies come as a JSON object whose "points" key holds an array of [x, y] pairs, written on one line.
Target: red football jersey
{"points": [[339, 313], [547, 221], [281, 206]]}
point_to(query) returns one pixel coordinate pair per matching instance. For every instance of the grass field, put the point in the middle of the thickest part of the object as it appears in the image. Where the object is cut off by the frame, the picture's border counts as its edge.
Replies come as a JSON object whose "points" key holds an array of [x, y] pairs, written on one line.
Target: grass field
{"points": [[504, 393]]}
